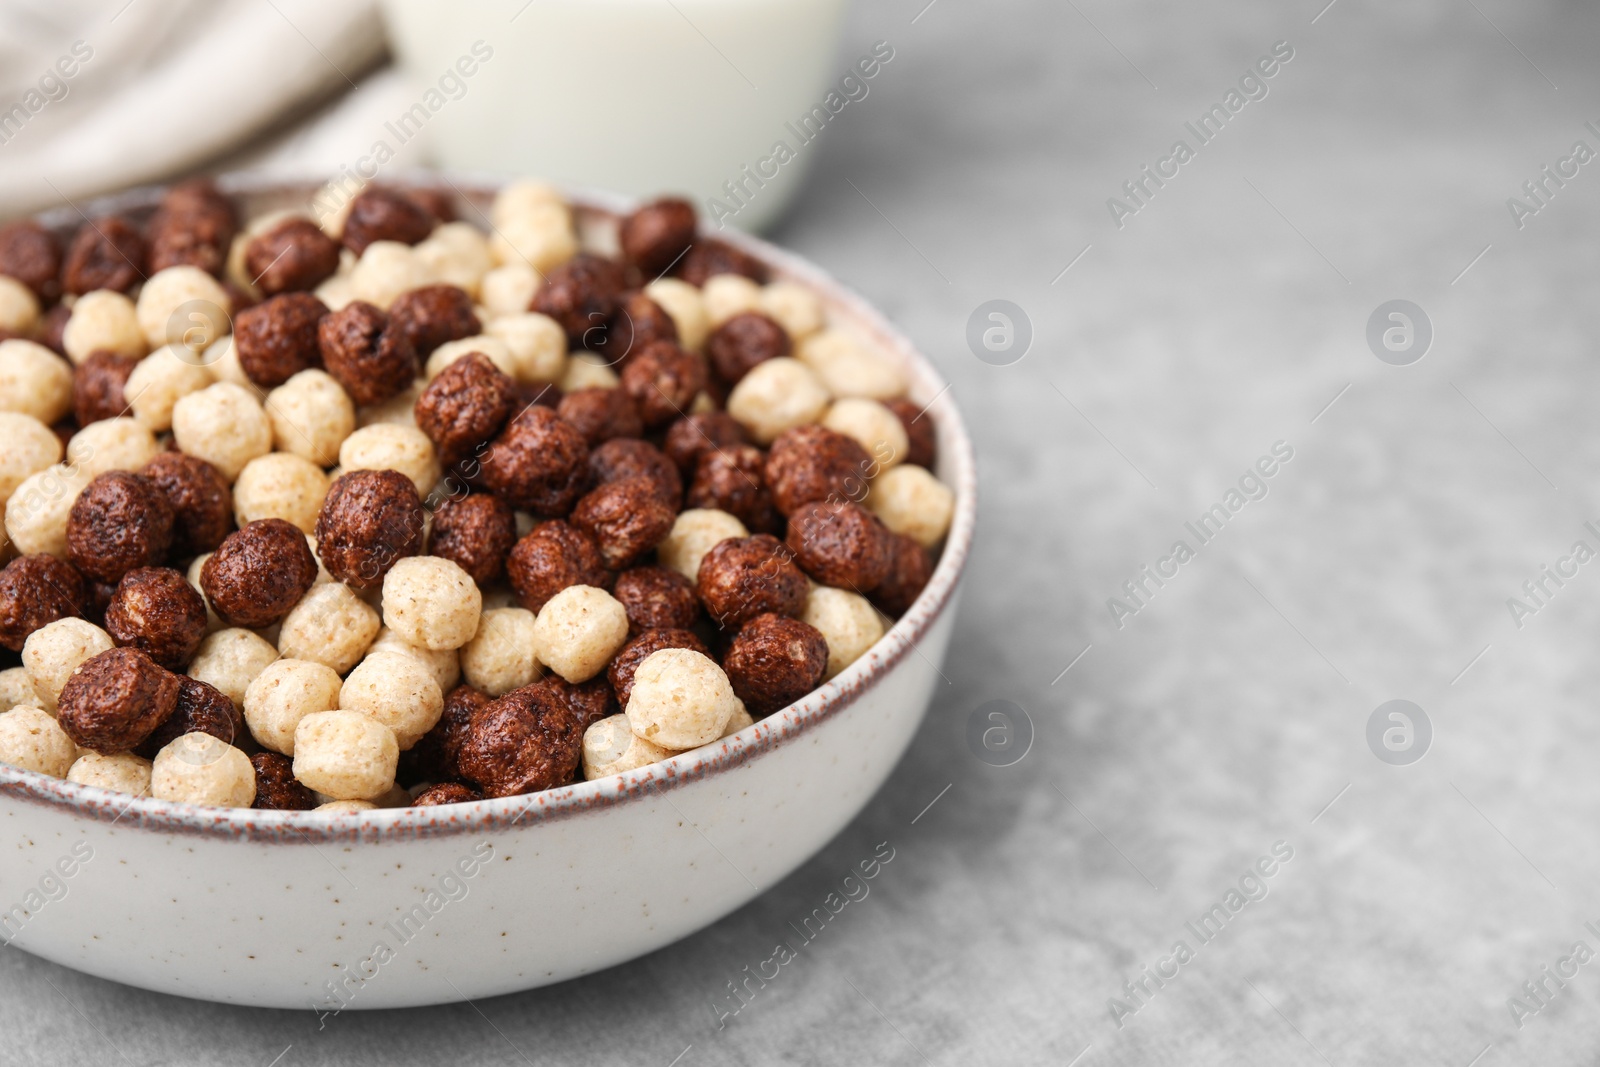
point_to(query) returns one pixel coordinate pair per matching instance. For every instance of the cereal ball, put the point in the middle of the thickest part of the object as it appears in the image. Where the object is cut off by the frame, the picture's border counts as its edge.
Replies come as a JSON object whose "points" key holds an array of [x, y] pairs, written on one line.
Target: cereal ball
{"points": [[656, 598], [873, 426], [277, 339], [194, 226], [103, 321], [523, 742], [164, 295], [119, 522], [811, 463], [458, 254], [624, 458], [500, 658], [520, 198], [578, 631], [540, 239], [286, 691], [338, 292], [626, 663], [741, 718], [366, 353], [157, 611], [222, 360], [611, 747], [224, 425], [387, 270], [311, 417], [158, 382], [100, 387], [922, 439], [728, 295], [732, 479], [687, 308], [680, 699], [35, 591], [280, 486], [637, 322], [30, 447], [796, 308], [689, 437], [465, 406], [498, 352], [588, 701], [539, 463], [200, 769], [291, 256], [32, 740], [709, 257], [399, 409], [230, 660], [15, 689], [654, 236], [19, 307], [841, 544], [913, 502], [775, 396], [585, 370], [37, 513], [53, 651], [32, 255], [386, 447], [51, 325], [538, 346], [35, 381], [663, 379], [743, 577], [506, 290], [434, 758], [743, 341], [331, 625], [122, 773], [120, 444], [370, 519], [601, 414], [432, 315], [382, 214], [431, 602], [847, 621], [202, 505], [115, 699], [553, 556], [105, 253], [694, 533], [626, 518], [910, 567], [200, 708], [774, 661], [476, 533], [258, 573], [396, 690], [445, 793], [276, 788], [849, 367], [581, 295]]}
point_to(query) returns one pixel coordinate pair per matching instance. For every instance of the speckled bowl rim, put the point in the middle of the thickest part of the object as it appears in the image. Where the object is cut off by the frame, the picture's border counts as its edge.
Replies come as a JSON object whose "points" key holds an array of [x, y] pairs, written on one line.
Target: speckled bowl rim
{"points": [[491, 816]]}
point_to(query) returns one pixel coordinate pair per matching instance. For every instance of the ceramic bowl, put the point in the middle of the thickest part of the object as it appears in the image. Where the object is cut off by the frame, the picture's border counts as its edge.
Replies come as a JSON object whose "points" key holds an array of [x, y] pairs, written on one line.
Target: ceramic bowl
{"points": [[411, 906]]}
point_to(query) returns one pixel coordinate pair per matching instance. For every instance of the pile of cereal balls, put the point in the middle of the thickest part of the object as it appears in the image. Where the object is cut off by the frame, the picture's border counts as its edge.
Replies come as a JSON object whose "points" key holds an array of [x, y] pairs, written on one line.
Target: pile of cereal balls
{"points": [[374, 510]]}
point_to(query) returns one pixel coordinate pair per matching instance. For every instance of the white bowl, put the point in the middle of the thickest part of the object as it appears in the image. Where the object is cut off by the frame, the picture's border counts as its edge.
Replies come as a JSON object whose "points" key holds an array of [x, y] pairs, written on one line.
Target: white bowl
{"points": [[411, 906]]}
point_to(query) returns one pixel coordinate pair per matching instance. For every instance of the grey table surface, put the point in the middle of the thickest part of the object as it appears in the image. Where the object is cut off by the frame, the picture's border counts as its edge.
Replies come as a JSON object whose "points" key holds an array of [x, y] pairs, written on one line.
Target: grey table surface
{"points": [[1229, 714]]}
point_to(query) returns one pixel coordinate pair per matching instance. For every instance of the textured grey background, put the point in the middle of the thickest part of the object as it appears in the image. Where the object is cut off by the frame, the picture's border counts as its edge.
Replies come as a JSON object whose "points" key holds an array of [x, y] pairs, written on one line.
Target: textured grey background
{"points": [[1231, 711]]}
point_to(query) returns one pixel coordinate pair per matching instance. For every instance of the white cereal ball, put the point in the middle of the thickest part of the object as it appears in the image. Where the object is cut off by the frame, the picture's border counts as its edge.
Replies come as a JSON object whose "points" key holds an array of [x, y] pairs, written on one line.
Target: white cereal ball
{"points": [[387, 269], [331, 625], [166, 291], [224, 425], [444, 665], [122, 773], [345, 807], [702, 404], [726, 295], [541, 238], [537, 343], [323, 577], [34, 381], [103, 319], [500, 656], [345, 755], [680, 699], [27, 446], [611, 747], [794, 307], [497, 350], [739, 720], [430, 601], [279, 485], [31, 739], [777, 395], [874, 426], [119, 444], [398, 796], [523, 197], [457, 254], [913, 502], [397, 691], [221, 359], [19, 308], [849, 367], [848, 622], [161, 379], [230, 660], [196, 565], [336, 292], [398, 410], [387, 446], [36, 514], [685, 306], [585, 370], [695, 532], [578, 631], [508, 290], [311, 415], [286, 691], [198, 768], [15, 688], [52, 652]]}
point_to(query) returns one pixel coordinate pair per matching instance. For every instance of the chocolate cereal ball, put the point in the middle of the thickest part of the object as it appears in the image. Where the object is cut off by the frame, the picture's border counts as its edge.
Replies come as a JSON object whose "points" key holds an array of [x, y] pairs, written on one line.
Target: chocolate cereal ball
{"points": [[920, 432], [910, 567], [523, 742], [539, 463], [291, 256], [464, 406], [277, 339], [708, 257], [774, 661], [638, 321], [193, 227], [120, 521], [156, 610], [588, 701], [379, 213], [581, 295], [811, 463], [656, 598], [663, 381], [553, 556], [840, 544], [32, 255], [435, 757], [656, 235], [106, 253], [630, 458], [276, 788], [476, 533], [115, 700], [733, 479], [743, 341], [601, 414], [98, 386], [365, 353], [369, 520], [200, 709], [627, 519], [689, 437], [434, 314], [445, 793], [34, 592], [742, 577], [258, 573], [636, 651], [202, 503]]}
